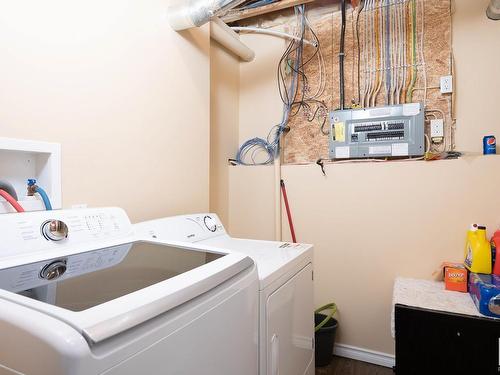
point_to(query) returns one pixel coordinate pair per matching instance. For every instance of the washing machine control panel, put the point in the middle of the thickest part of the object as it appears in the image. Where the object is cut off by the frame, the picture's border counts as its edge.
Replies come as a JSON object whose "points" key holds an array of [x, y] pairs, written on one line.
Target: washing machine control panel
{"points": [[51, 231], [33, 275], [186, 228]]}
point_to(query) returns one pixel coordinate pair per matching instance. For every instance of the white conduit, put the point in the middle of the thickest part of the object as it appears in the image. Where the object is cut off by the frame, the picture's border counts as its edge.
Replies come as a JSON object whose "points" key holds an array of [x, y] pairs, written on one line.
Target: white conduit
{"points": [[272, 32], [277, 198], [493, 11], [223, 34]]}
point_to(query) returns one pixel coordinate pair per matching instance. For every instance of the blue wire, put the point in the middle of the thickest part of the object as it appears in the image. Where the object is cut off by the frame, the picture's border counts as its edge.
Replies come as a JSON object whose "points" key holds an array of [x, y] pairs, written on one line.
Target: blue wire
{"points": [[45, 198], [272, 148], [254, 145]]}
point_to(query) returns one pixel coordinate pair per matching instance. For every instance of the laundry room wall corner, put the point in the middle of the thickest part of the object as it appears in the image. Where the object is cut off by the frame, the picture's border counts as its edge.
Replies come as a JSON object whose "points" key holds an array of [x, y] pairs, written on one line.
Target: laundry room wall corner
{"points": [[125, 95], [224, 125]]}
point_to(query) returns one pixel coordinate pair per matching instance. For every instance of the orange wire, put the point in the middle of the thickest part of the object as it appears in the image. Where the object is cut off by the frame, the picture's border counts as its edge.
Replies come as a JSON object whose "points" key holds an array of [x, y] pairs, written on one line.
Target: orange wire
{"points": [[377, 48], [408, 51]]}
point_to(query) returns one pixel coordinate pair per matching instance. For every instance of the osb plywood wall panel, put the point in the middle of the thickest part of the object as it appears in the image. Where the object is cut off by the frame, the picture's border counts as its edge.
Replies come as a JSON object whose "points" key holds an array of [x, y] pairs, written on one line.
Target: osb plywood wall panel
{"points": [[305, 143]]}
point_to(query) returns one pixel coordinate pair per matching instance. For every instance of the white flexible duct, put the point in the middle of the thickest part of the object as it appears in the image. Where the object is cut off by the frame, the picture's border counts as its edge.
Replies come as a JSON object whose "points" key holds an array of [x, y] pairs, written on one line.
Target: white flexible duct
{"points": [[493, 11], [184, 15], [195, 13], [223, 34]]}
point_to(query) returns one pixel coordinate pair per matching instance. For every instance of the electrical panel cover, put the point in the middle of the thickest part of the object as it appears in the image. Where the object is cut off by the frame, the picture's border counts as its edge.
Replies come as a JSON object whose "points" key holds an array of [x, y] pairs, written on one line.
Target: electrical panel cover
{"points": [[391, 131]]}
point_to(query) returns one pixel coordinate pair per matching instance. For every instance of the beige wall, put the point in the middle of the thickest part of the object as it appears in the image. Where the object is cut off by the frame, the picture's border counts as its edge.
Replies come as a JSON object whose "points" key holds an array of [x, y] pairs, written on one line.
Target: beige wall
{"points": [[224, 101], [476, 42], [260, 106], [127, 97], [372, 222]]}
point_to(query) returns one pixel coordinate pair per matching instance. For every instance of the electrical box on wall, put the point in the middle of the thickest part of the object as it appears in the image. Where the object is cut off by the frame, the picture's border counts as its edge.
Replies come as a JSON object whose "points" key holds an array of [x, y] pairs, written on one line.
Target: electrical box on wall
{"points": [[21, 160], [391, 131]]}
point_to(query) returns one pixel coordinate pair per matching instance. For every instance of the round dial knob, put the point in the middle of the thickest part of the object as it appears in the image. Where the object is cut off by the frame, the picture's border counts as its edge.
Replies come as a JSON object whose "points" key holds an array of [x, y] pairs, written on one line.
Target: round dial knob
{"points": [[53, 270], [54, 230], [210, 223]]}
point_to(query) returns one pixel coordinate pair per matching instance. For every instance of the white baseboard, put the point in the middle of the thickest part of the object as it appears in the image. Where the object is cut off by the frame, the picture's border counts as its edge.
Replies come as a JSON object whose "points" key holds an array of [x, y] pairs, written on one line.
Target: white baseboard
{"points": [[365, 355]]}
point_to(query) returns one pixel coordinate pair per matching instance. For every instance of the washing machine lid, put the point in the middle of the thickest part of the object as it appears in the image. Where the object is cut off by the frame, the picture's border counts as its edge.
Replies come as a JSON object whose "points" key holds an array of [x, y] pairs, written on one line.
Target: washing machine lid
{"points": [[108, 290]]}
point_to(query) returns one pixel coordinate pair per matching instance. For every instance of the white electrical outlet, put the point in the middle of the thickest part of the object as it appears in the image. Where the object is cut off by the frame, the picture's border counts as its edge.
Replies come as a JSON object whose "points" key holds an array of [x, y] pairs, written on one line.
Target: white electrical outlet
{"points": [[446, 84], [437, 128]]}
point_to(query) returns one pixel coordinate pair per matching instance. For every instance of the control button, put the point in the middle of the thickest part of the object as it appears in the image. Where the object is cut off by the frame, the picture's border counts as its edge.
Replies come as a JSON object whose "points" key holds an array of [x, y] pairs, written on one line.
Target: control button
{"points": [[53, 270], [210, 223], [54, 230]]}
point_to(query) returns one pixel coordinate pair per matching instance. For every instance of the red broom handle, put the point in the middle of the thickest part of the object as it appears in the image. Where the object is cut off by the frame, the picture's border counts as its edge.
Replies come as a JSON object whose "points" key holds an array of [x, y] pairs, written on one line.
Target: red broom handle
{"points": [[288, 213]]}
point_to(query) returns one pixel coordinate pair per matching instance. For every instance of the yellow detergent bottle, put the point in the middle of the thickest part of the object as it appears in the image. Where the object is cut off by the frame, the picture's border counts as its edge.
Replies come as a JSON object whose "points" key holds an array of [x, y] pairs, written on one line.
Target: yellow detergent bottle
{"points": [[477, 250]]}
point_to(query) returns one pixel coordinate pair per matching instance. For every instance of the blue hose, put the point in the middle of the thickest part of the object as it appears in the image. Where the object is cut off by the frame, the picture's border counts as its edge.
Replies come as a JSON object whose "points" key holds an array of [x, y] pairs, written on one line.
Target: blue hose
{"points": [[45, 198]]}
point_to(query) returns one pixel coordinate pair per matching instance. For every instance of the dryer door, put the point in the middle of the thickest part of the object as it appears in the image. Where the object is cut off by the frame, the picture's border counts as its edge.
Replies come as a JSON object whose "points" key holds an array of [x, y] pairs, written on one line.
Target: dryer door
{"points": [[290, 326]]}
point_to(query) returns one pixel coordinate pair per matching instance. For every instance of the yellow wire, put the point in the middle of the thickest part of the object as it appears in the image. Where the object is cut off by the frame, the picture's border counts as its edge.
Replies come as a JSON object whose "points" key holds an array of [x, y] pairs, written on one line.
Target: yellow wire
{"points": [[377, 48], [408, 52]]}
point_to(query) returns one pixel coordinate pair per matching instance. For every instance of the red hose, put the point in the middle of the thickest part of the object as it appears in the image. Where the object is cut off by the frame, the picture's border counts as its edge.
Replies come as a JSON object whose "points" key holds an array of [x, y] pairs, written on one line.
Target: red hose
{"points": [[11, 200], [288, 213]]}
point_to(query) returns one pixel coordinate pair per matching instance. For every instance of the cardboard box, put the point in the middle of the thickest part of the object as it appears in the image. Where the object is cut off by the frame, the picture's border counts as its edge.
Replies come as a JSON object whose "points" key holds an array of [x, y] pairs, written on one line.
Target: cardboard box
{"points": [[455, 277]]}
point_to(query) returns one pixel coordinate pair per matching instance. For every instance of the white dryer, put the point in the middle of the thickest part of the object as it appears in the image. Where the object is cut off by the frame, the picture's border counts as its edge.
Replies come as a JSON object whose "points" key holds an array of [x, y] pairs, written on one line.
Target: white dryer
{"points": [[286, 327], [81, 295]]}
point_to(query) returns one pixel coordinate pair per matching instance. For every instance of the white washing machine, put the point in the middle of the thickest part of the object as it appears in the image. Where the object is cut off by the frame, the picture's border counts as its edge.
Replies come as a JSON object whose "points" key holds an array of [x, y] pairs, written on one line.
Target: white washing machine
{"points": [[81, 295], [286, 327]]}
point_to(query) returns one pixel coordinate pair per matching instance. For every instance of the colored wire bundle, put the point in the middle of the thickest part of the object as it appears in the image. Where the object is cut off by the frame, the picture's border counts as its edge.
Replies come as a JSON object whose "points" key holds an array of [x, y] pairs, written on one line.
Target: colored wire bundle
{"points": [[392, 50]]}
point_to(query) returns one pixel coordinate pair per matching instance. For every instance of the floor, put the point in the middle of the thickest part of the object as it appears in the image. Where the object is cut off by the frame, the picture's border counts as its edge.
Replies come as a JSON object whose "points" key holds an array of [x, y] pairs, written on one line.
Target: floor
{"points": [[345, 366]]}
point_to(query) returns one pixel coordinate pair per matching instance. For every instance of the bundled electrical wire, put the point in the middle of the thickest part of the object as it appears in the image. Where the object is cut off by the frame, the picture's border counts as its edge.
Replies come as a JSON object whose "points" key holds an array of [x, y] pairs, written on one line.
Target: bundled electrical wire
{"points": [[392, 50], [293, 87]]}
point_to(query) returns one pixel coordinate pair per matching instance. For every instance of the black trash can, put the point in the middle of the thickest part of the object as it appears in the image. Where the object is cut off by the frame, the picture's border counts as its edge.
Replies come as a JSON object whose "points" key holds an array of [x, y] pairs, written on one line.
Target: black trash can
{"points": [[324, 339]]}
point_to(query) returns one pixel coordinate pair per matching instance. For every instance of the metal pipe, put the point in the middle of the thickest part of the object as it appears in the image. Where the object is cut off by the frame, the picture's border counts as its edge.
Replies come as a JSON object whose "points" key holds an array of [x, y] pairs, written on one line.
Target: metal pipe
{"points": [[260, 30], [223, 34], [493, 11]]}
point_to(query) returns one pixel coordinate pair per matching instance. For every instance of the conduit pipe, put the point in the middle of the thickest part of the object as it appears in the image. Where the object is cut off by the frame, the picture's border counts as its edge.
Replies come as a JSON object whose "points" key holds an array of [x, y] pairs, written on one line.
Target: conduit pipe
{"points": [[277, 197], [493, 11], [260, 30], [223, 34]]}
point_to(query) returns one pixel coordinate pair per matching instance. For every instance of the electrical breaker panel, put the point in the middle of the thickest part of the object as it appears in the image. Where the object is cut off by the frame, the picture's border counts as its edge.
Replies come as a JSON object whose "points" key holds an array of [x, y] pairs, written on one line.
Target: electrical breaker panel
{"points": [[392, 131]]}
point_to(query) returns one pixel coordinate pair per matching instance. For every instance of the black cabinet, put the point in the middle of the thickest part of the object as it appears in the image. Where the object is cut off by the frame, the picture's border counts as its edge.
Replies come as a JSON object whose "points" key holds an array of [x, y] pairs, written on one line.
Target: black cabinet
{"points": [[433, 342]]}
